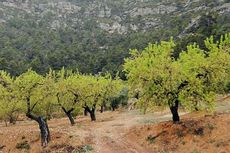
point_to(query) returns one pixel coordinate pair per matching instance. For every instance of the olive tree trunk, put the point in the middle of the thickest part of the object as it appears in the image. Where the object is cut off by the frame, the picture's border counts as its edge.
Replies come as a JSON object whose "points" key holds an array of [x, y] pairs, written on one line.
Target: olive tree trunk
{"points": [[71, 119], [44, 129], [91, 112], [103, 107], [174, 111], [69, 115], [92, 116], [85, 112]]}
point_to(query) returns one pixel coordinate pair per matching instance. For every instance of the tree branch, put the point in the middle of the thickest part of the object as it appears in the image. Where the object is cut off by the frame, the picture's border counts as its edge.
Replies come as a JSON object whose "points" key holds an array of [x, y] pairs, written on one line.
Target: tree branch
{"points": [[34, 106]]}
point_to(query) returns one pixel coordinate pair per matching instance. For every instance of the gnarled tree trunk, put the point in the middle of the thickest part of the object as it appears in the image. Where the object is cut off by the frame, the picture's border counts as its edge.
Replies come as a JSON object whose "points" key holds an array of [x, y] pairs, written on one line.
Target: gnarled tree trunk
{"points": [[44, 129], [45, 133], [71, 119], [85, 112], [102, 109], [174, 111], [69, 115], [91, 112], [92, 116]]}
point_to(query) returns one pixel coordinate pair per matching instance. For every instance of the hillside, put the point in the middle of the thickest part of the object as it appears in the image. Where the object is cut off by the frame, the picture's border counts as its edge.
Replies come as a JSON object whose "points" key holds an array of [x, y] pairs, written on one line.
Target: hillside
{"points": [[95, 35]]}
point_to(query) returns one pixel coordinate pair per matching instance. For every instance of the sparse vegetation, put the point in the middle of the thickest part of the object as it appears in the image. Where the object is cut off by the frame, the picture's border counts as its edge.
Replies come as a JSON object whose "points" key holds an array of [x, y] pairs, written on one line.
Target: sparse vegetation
{"points": [[151, 139], [210, 126], [179, 133], [83, 149], [23, 145], [199, 131]]}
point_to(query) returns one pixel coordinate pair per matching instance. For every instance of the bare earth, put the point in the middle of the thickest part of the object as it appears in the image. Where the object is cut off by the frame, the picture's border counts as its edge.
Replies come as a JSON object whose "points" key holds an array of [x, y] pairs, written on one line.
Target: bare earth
{"points": [[127, 132]]}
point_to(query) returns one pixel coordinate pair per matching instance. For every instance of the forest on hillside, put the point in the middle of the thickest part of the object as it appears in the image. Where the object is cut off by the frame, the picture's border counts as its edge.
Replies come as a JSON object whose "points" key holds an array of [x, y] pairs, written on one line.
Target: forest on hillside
{"points": [[29, 38]]}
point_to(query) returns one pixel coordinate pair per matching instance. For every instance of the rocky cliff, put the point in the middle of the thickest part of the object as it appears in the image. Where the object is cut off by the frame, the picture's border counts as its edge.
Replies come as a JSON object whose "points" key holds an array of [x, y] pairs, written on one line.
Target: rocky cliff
{"points": [[120, 16]]}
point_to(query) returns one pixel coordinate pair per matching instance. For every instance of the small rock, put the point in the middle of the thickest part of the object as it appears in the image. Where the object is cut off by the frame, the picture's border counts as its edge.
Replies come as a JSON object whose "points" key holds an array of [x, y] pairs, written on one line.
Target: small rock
{"points": [[199, 131], [2, 146]]}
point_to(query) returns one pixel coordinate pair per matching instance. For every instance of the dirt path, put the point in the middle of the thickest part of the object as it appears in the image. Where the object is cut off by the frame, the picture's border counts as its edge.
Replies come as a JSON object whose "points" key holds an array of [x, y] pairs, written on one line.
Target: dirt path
{"points": [[109, 136], [108, 133]]}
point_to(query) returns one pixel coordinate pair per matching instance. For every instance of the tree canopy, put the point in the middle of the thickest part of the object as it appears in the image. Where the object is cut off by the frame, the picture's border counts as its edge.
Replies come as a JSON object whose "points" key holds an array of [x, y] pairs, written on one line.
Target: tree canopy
{"points": [[192, 80]]}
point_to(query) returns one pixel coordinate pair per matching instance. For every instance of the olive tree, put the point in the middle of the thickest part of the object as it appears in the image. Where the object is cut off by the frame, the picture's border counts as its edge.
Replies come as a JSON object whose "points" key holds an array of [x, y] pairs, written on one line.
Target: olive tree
{"points": [[110, 89], [67, 93], [10, 107], [88, 88], [93, 91], [32, 93], [191, 81]]}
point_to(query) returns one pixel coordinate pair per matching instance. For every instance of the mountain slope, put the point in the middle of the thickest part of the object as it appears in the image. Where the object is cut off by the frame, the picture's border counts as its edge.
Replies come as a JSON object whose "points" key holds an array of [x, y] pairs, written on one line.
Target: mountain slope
{"points": [[95, 35]]}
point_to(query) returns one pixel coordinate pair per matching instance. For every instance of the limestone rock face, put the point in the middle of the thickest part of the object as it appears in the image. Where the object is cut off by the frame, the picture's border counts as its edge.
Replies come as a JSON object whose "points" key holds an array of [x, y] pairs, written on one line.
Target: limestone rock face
{"points": [[161, 9], [121, 16]]}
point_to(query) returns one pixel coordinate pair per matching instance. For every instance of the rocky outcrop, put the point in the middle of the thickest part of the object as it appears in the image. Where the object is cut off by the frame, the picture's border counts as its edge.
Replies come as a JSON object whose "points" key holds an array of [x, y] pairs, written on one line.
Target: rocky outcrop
{"points": [[161, 9], [110, 16]]}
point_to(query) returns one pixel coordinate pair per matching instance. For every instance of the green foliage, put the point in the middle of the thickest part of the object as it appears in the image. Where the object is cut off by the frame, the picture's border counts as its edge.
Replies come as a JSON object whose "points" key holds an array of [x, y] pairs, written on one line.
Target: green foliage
{"points": [[194, 78], [93, 89], [10, 107], [45, 95], [31, 91], [120, 98]]}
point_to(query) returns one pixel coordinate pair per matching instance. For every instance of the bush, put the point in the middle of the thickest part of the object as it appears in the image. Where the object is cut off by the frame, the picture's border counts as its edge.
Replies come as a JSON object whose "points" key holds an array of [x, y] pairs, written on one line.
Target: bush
{"points": [[83, 149], [23, 145]]}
